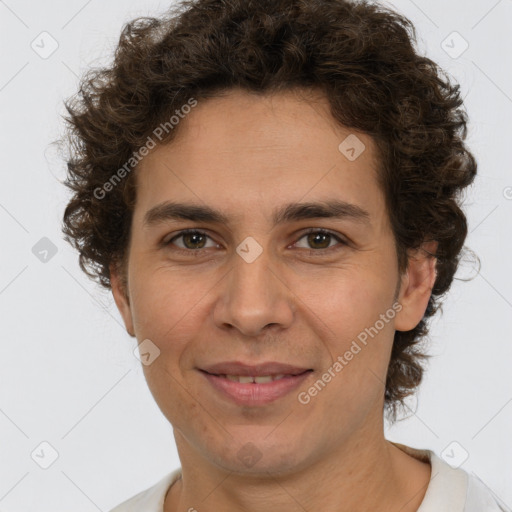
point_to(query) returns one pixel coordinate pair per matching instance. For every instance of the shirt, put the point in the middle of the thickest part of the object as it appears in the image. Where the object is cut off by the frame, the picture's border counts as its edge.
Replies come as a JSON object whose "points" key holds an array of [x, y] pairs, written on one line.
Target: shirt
{"points": [[449, 489]]}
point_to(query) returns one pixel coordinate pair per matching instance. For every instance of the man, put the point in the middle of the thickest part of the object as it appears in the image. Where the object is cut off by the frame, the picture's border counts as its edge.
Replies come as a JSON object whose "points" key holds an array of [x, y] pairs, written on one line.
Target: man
{"points": [[271, 189]]}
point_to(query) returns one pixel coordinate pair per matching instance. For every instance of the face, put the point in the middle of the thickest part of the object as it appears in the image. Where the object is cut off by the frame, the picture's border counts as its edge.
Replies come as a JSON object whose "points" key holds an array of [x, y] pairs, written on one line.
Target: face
{"points": [[260, 279]]}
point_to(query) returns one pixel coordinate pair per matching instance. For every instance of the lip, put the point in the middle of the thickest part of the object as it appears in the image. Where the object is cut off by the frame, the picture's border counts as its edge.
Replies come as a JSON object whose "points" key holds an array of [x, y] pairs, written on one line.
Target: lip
{"points": [[258, 370], [253, 394]]}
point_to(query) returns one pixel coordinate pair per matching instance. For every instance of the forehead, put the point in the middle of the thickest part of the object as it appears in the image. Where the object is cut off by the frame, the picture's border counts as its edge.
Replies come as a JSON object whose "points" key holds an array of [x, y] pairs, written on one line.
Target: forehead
{"points": [[251, 153]]}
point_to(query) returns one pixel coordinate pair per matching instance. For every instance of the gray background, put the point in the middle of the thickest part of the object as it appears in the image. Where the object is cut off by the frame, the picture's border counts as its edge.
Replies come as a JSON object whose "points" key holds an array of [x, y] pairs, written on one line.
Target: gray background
{"points": [[68, 375]]}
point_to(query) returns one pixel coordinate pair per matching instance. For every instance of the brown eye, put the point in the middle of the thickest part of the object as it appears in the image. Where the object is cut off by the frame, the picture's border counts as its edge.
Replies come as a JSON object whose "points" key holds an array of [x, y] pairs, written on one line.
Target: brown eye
{"points": [[320, 239], [191, 240]]}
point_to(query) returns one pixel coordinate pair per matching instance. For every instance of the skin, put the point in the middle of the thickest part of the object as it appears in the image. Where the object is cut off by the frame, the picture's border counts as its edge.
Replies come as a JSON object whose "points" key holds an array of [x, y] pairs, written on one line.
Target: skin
{"points": [[289, 305]]}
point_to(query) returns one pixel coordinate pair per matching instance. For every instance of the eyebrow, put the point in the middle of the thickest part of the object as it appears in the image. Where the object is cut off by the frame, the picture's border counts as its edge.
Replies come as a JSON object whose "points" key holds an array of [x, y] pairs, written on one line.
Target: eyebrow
{"points": [[332, 209]]}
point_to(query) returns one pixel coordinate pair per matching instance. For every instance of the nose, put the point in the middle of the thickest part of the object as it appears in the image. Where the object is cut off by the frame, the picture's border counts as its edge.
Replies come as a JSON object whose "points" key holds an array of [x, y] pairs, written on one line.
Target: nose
{"points": [[253, 296]]}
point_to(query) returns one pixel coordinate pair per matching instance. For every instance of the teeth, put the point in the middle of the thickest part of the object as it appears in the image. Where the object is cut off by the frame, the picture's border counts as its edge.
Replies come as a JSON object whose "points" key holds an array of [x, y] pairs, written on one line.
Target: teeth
{"points": [[263, 379]]}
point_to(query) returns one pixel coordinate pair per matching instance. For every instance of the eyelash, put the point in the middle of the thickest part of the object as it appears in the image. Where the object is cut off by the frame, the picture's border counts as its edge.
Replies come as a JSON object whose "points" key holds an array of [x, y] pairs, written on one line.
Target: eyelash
{"points": [[312, 252]]}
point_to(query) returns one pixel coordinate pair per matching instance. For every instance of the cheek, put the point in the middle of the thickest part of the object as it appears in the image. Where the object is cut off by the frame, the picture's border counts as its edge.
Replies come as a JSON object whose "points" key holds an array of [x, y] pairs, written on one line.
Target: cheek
{"points": [[170, 311], [163, 301], [346, 300], [354, 310]]}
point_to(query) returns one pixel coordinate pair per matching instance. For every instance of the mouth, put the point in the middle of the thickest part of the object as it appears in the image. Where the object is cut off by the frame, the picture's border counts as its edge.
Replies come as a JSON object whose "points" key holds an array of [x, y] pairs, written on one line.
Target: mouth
{"points": [[270, 368], [254, 385], [256, 379]]}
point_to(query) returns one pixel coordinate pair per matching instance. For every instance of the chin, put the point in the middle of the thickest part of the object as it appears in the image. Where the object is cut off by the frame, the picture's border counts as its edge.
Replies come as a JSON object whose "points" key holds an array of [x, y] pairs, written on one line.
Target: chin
{"points": [[257, 455]]}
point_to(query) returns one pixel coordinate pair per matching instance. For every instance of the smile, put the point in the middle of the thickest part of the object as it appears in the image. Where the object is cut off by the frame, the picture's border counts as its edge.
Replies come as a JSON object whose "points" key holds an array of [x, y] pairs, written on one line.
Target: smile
{"points": [[257, 390]]}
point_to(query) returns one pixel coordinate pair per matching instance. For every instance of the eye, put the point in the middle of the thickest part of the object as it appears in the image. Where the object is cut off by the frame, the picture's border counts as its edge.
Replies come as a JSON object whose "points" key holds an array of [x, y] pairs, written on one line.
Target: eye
{"points": [[192, 239], [318, 239]]}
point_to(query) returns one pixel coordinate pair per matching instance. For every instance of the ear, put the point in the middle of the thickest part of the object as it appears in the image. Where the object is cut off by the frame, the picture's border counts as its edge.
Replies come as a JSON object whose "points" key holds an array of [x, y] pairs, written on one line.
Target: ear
{"points": [[121, 298], [416, 286]]}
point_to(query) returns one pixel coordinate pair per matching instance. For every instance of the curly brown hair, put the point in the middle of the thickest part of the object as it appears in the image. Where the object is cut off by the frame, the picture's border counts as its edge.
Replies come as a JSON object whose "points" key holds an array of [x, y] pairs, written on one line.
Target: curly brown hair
{"points": [[361, 55]]}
